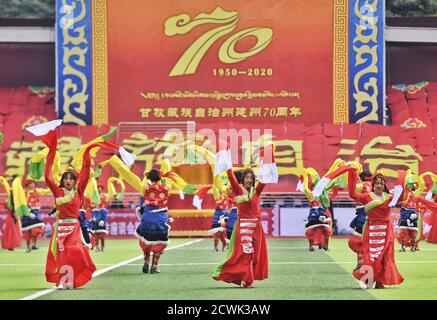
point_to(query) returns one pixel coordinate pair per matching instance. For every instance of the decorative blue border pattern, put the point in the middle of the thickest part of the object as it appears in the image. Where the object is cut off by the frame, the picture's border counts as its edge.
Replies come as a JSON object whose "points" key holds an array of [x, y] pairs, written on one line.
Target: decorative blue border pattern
{"points": [[74, 61], [366, 61]]}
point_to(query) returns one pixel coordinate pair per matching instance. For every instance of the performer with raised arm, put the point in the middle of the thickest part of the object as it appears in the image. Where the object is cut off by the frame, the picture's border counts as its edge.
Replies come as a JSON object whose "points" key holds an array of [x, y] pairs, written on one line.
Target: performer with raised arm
{"points": [[318, 227], [98, 215], [246, 258], [379, 264], [153, 231], [31, 225], [220, 188], [99, 218], [69, 264], [319, 221], [409, 217]]}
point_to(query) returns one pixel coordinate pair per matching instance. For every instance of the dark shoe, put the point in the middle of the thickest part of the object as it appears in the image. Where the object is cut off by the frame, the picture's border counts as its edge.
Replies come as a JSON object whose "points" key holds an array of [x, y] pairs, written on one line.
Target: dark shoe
{"points": [[310, 249], [28, 250], [325, 248], [248, 285], [146, 267], [154, 269], [402, 250], [320, 247], [379, 285], [358, 266], [34, 247], [216, 249], [413, 249]]}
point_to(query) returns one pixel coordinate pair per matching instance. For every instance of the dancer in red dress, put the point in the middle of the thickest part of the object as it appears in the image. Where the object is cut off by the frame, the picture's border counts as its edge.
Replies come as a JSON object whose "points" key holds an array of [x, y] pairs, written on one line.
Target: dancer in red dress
{"points": [[69, 264], [379, 264], [246, 259]]}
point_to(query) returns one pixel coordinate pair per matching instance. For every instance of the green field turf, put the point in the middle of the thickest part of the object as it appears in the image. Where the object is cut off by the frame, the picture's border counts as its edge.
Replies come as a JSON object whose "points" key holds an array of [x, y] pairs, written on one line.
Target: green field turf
{"points": [[186, 274]]}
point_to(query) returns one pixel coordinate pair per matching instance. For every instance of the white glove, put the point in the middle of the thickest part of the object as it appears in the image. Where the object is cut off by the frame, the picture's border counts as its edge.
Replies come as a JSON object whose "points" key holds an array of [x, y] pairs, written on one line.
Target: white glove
{"points": [[322, 219], [101, 223], [409, 223], [413, 216], [32, 215], [170, 219]]}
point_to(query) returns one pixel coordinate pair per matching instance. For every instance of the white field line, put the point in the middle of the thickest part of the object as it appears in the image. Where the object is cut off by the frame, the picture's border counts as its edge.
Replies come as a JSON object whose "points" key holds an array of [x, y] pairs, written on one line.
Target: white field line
{"points": [[100, 272], [268, 248], [281, 263], [215, 263]]}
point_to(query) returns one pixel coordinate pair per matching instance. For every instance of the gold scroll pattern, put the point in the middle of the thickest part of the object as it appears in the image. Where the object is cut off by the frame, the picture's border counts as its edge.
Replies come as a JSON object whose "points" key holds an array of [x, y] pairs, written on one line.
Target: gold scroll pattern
{"points": [[341, 86], [367, 97], [100, 72], [75, 85]]}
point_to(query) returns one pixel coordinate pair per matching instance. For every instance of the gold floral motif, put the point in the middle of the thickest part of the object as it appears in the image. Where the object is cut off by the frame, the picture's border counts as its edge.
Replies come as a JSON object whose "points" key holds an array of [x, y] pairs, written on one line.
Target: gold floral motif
{"points": [[340, 78]]}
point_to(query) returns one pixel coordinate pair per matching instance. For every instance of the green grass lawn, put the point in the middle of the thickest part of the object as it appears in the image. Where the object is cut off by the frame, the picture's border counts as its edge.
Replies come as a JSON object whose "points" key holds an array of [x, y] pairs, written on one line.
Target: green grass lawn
{"points": [[186, 274]]}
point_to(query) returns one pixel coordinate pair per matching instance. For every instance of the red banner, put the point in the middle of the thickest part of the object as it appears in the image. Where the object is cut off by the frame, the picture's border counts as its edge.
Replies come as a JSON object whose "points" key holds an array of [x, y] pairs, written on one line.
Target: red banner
{"points": [[123, 222]]}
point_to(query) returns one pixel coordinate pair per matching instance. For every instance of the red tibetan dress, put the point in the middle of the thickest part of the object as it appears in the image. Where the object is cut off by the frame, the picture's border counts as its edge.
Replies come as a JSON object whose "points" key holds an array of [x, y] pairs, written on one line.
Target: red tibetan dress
{"points": [[153, 230], [246, 258], [317, 232], [69, 264], [378, 238]]}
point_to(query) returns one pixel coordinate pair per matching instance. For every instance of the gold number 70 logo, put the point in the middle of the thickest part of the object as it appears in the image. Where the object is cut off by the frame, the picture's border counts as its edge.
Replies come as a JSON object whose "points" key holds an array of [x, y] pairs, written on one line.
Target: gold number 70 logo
{"points": [[190, 59]]}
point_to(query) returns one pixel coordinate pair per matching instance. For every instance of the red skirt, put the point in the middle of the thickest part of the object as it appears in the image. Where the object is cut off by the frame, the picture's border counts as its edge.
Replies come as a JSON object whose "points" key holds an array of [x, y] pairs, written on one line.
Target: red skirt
{"points": [[68, 261], [101, 234], [356, 243], [155, 247], [379, 256], [31, 233], [246, 258], [11, 233], [406, 235], [318, 235]]}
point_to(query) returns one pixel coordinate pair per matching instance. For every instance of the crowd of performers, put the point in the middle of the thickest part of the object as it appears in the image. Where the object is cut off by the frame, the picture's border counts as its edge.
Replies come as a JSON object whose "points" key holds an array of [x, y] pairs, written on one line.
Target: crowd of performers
{"points": [[82, 217], [373, 233]]}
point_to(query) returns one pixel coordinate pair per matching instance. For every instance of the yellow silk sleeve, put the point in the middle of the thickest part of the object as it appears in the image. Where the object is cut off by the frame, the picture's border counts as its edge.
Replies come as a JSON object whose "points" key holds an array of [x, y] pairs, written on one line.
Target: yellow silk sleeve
{"points": [[125, 173]]}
